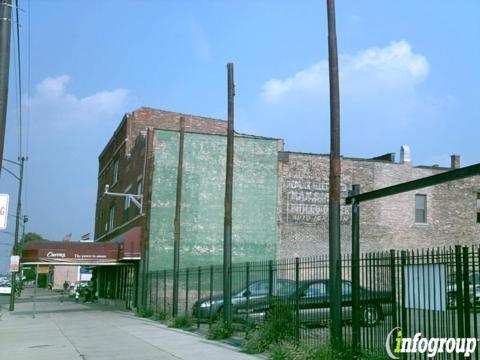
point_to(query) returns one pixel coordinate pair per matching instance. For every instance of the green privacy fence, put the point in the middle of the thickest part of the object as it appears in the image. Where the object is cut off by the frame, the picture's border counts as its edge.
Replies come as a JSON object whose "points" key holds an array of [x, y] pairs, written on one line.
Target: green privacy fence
{"points": [[434, 292]]}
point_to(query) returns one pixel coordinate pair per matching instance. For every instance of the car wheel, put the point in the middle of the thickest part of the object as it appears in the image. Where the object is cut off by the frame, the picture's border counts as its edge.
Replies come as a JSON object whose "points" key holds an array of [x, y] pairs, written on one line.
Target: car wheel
{"points": [[371, 315], [216, 316]]}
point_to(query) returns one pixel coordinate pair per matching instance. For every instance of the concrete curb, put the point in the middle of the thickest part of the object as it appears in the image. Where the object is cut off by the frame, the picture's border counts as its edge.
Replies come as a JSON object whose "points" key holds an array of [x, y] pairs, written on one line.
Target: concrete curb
{"points": [[222, 343]]}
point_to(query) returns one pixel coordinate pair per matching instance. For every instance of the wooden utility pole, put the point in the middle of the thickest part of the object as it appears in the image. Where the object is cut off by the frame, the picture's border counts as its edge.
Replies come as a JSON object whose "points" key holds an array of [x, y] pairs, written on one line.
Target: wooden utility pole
{"points": [[227, 230], [5, 29], [176, 222], [334, 192]]}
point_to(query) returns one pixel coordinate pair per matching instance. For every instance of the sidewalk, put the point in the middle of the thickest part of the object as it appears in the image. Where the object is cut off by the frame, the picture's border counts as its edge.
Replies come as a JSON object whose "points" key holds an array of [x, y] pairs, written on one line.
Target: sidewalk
{"points": [[64, 331]]}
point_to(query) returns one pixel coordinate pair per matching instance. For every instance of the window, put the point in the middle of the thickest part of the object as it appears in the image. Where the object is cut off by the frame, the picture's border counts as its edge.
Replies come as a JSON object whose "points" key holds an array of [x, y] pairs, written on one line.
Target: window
{"points": [[115, 171], [111, 218], [259, 288], [126, 204], [478, 208], [316, 290], [139, 191], [139, 186], [420, 208]]}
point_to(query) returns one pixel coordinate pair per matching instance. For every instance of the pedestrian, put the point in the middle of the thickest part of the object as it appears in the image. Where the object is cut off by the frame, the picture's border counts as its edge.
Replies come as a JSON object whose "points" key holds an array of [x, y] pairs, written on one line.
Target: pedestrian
{"points": [[87, 294], [77, 295], [65, 287]]}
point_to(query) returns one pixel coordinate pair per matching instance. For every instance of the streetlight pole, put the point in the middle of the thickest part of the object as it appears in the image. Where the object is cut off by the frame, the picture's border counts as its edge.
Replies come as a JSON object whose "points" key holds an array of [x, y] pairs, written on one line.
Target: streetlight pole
{"points": [[17, 229]]}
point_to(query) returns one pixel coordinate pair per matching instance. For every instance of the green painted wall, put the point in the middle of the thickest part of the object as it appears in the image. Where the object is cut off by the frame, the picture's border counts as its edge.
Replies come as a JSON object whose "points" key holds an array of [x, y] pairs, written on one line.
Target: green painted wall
{"points": [[203, 192]]}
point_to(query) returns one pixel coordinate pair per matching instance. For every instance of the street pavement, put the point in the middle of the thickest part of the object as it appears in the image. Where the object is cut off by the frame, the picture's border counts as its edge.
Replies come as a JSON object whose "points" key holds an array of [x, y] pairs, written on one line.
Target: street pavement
{"points": [[66, 330]]}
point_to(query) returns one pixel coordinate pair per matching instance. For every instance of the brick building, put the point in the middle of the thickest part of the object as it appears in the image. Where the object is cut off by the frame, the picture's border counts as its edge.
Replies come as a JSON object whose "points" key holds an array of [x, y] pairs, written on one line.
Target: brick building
{"points": [[141, 158], [435, 216], [280, 207]]}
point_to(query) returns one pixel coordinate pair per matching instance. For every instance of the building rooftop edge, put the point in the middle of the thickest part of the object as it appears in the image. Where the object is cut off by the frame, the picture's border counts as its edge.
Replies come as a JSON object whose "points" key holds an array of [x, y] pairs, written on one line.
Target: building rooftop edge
{"points": [[367, 160], [238, 134]]}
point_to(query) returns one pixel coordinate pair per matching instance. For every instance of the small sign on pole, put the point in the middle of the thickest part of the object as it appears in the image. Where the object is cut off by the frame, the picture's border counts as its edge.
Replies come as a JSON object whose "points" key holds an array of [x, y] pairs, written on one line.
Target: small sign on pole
{"points": [[14, 263], [3, 211]]}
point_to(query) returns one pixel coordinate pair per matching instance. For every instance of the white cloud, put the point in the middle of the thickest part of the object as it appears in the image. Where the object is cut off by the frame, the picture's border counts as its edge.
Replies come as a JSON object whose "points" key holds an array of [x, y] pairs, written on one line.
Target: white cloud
{"points": [[383, 96], [310, 80], [393, 68], [52, 88], [397, 57], [58, 107], [67, 132]]}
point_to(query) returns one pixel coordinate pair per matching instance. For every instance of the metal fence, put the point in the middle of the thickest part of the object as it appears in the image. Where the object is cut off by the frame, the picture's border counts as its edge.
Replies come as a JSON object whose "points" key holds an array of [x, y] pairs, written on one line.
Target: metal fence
{"points": [[434, 292]]}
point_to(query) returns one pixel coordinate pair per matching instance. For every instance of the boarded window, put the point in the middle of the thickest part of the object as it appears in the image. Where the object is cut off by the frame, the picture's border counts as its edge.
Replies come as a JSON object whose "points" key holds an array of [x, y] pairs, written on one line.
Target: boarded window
{"points": [[115, 170], [111, 218], [139, 192], [126, 204], [420, 208], [478, 208]]}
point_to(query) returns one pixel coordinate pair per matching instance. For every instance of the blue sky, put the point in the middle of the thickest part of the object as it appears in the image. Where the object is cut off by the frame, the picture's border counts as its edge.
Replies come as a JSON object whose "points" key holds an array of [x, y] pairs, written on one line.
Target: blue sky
{"points": [[408, 71]]}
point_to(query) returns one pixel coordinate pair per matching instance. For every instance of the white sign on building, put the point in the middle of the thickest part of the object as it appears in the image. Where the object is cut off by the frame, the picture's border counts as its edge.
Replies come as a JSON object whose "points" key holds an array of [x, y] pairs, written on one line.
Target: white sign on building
{"points": [[3, 211]]}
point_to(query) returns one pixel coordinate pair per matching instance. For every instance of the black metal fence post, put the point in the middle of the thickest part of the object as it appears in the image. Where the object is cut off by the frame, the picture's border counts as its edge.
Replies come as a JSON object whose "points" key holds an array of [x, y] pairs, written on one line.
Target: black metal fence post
{"points": [[156, 291], [355, 271], [476, 300], [466, 293], [459, 291], [210, 297], [393, 286], [146, 289], [270, 278], [186, 290], [247, 286], [404, 325], [165, 292], [297, 307], [199, 289]]}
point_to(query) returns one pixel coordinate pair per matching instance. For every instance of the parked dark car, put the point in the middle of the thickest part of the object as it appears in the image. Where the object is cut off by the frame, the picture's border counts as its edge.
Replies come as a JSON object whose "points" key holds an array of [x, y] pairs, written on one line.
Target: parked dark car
{"points": [[257, 292], [474, 291], [314, 306]]}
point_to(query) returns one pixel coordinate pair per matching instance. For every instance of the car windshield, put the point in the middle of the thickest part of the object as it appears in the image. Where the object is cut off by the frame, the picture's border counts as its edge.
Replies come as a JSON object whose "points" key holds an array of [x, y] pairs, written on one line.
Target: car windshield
{"points": [[284, 287], [316, 290], [261, 287]]}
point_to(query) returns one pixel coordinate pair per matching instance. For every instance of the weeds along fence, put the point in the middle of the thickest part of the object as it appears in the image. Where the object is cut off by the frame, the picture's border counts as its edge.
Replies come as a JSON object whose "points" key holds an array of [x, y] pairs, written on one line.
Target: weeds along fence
{"points": [[434, 292]]}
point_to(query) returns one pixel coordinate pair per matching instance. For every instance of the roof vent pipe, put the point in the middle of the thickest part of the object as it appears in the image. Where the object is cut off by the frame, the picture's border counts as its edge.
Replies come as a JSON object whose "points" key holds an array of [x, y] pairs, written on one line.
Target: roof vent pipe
{"points": [[455, 161], [405, 154]]}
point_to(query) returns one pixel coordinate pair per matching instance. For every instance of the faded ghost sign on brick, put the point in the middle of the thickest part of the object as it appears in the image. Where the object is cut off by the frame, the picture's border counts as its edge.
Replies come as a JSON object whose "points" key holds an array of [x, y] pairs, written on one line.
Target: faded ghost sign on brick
{"points": [[306, 201]]}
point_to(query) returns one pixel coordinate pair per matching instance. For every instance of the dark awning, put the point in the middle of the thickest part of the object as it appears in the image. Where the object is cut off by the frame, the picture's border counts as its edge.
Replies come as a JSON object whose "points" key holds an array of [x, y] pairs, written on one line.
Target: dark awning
{"points": [[129, 244], [69, 253], [126, 246]]}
